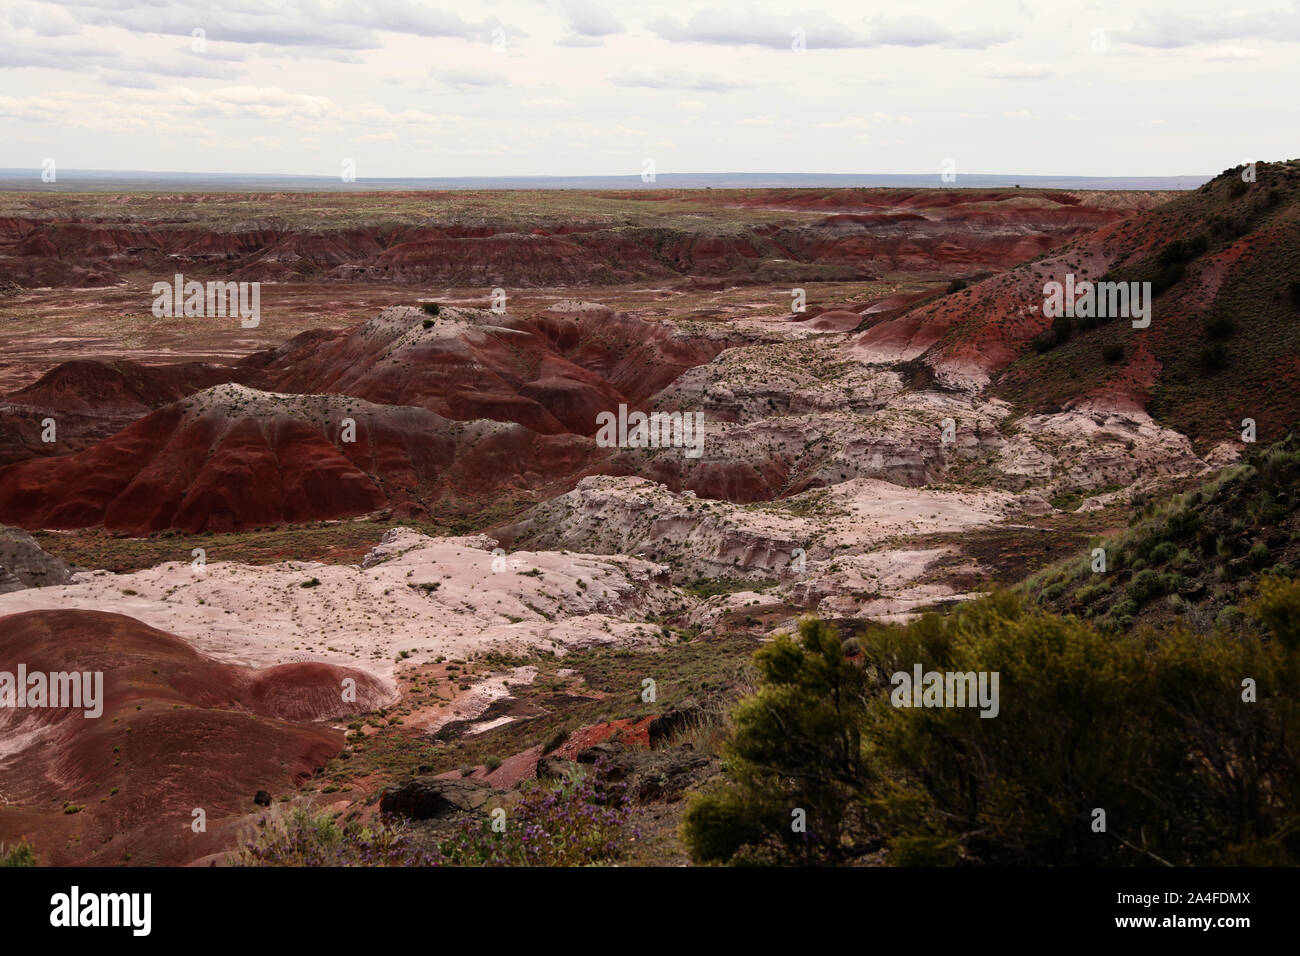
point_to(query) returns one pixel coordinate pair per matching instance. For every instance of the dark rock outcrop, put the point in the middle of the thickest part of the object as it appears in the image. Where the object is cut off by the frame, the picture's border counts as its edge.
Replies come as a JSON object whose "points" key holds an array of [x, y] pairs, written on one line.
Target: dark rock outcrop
{"points": [[424, 798]]}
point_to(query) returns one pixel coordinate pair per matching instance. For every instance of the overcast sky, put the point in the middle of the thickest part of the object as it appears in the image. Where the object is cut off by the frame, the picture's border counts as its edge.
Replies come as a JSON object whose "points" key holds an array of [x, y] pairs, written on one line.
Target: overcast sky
{"points": [[574, 87]]}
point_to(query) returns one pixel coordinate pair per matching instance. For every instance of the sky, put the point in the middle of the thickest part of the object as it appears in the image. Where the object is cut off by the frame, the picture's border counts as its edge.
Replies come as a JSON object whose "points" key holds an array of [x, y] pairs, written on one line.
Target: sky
{"points": [[388, 88]]}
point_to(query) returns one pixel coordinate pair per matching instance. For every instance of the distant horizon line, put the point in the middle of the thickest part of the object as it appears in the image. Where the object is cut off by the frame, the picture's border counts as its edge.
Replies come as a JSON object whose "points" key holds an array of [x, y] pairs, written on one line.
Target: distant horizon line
{"points": [[31, 179]]}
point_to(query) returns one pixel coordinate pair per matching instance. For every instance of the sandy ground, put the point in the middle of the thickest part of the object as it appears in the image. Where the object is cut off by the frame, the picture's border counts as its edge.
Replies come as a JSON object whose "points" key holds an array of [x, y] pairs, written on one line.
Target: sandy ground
{"points": [[432, 597]]}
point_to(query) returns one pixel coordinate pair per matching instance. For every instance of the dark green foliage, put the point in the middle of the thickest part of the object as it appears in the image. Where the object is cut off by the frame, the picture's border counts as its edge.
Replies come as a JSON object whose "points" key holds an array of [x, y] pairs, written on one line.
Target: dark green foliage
{"points": [[1206, 546], [430, 307], [1220, 327], [1058, 334], [1214, 357], [1278, 609], [1112, 352], [1150, 584], [17, 854], [797, 746], [1163, 551], [1150, 727], [1182, 250], [1044, 341], [1166, 276]]}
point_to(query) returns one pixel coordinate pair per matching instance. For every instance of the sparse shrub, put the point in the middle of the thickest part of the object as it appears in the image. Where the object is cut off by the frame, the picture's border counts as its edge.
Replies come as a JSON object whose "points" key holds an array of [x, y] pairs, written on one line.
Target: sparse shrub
{"points": [[1163, 552], [431, 308], [300, 838], [1090, 592], [1277, 608], [1126, 608], [1044, 341], [1229, 617], [1112, 352], [580, 822], [18, 854], [1220, 327], [1166, 276], [1214, 357], [956, 285]]}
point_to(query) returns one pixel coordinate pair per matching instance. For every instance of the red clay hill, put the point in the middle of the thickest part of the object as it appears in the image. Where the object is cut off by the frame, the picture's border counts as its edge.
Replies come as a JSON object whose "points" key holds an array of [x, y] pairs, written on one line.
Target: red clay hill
{"points": [[232, 457], [178, 731], [91, 400], [551, 372]]}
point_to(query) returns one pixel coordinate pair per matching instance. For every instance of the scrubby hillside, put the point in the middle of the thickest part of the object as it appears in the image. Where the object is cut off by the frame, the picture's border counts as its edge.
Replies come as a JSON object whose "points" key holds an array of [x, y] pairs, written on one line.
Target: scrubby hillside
{"points": [[1194, 556], [1224, 338]]}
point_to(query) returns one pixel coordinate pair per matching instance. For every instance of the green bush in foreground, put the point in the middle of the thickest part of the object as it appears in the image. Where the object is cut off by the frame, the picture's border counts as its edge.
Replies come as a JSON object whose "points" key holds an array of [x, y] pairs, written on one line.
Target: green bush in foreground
{"points": [[1151, 728], [797, 746]]}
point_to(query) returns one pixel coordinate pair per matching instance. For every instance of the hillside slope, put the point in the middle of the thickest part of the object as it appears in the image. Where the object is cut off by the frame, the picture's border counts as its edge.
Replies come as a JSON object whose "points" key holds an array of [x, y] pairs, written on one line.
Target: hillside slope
{"points": [[1194, 556], [1224, 339]]}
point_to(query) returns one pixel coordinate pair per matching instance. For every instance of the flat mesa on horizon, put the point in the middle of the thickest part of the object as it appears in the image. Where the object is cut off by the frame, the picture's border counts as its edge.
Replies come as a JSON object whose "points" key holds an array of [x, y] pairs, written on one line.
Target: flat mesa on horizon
{"points": [[75, 180]]}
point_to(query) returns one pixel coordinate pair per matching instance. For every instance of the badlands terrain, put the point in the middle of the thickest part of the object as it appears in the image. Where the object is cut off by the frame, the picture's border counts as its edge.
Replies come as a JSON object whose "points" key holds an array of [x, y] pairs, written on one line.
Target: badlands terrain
{"points": [[395, 478]]}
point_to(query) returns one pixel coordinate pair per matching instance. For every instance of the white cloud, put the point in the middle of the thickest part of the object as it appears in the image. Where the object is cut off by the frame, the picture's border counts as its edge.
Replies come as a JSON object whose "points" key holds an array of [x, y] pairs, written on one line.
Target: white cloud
{"points": [[1020, 71], [1232, 53], [469, 78], [414, 87], [669, 79], [590, 19], [577, 39], [1176, 28]]}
